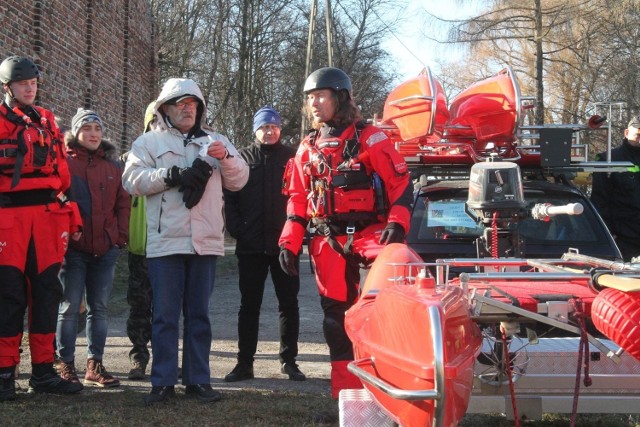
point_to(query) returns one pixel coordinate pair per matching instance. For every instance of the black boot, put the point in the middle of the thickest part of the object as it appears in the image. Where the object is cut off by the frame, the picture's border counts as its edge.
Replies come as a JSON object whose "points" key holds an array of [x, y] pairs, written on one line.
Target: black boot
{"points": [[159, 394], [291, 369], [241, 372], [45, 379], [8, 385]]}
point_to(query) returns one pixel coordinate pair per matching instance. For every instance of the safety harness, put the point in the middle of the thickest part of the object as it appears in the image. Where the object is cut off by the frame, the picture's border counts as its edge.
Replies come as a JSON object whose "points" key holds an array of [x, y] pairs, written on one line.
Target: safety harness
{"points": [[343, 197], [30, 150]]}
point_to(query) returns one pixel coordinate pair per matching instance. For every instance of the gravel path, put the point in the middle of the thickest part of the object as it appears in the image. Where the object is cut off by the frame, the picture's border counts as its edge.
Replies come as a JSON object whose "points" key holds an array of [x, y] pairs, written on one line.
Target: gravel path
{"points": [[313, 356]]}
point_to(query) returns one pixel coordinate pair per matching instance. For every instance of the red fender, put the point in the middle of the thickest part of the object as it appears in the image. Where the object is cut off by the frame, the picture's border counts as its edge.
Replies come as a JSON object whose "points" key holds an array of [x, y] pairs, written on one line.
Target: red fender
{"points": [[617, 315]]}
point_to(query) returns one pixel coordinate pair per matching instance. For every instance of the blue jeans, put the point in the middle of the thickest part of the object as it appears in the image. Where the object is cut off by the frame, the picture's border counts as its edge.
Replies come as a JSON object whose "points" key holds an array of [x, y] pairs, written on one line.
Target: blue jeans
{"points": [[83, 273], [181, 283]]}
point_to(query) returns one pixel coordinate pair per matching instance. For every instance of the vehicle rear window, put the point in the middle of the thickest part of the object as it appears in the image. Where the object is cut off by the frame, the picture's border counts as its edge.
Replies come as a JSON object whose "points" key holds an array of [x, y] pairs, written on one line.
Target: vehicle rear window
{"points": [[441, 217]]}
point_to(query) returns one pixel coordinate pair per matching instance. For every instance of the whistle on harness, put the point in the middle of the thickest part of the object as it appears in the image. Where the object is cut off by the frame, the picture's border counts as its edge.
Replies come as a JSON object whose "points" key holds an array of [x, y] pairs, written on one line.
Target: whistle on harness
{"points": [[41, 137]]}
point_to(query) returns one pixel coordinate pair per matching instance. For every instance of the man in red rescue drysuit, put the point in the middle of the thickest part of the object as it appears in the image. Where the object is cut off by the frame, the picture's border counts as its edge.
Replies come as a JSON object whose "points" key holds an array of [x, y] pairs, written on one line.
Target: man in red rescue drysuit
{"points": [[35, 225], [347, 181]]}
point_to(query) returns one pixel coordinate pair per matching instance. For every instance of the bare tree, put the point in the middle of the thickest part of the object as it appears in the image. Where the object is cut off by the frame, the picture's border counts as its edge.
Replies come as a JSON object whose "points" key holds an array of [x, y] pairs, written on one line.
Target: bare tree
{"points": [[248, 53], [561, 50]]}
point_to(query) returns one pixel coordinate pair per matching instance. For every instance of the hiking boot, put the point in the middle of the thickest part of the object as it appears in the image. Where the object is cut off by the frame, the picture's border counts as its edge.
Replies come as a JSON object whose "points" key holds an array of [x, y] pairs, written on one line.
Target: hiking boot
{"points": [[291, 369], [97, 375], [57, 362], [138, 372], [158, 394], [68, 372], [53, 384], [240, 373], [7, 387], [203, 392]]}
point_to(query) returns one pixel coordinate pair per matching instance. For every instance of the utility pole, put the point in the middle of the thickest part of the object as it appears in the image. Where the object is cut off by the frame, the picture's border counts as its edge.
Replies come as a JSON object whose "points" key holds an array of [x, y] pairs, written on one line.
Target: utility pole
{"points": [[307, 68], [329, 24]]}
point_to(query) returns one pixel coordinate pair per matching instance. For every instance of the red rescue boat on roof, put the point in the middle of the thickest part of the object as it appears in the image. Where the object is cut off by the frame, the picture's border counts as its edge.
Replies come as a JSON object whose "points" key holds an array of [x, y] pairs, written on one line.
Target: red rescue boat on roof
{"points": [[482, 119], [487, 111], [415, 113], [417, 107]]}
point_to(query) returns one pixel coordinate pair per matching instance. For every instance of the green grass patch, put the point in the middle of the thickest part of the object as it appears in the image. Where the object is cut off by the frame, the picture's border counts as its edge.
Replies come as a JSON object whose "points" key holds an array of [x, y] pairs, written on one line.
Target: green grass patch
{"points": [[554, 420], [125, 408]]}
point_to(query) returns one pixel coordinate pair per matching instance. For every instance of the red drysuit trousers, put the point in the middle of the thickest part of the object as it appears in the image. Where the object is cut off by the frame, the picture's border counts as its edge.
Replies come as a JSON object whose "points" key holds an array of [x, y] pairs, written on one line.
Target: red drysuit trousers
{"points": [[33, 240]]}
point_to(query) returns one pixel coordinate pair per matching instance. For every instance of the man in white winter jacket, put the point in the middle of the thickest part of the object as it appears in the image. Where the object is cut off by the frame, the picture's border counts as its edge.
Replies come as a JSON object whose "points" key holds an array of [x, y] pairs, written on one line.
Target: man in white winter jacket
{"points": [[181, 169]]}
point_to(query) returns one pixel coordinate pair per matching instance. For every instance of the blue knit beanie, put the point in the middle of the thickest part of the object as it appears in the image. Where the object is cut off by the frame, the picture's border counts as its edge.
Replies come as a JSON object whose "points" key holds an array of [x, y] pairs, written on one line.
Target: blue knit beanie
{"points": [[266, 115]]}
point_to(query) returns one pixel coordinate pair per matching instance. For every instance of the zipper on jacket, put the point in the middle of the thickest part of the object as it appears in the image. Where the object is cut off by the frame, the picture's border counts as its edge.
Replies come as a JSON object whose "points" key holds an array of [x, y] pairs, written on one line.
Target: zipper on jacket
{"points": [[162, 200]]}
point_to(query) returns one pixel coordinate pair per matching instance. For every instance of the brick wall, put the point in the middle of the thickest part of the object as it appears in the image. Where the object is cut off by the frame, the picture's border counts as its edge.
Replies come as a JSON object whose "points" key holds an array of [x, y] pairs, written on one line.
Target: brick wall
{"points": [[92, 54]]}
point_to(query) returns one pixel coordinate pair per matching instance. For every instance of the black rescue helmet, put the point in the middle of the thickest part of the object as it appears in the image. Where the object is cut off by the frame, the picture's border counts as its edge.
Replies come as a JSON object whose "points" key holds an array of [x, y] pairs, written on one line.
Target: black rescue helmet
{"points": [[16, 68], [328, 78]]}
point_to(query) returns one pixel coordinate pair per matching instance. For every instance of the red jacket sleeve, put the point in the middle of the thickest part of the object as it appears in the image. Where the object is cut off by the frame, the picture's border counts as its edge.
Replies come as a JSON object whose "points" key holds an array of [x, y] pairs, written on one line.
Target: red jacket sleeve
{"points": [[294, 229], [385, 160], [75, 221]]}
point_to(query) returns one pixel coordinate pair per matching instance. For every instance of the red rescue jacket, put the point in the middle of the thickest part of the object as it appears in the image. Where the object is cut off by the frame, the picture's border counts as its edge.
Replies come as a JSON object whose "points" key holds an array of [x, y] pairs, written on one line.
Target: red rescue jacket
{"points": [[332, 176], [38, 143]]}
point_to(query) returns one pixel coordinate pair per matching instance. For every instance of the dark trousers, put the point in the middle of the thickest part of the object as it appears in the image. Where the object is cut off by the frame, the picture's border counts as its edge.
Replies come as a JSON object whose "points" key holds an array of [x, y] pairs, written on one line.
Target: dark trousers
{"points": [[139, 297], [340, 346], [253, 270]]}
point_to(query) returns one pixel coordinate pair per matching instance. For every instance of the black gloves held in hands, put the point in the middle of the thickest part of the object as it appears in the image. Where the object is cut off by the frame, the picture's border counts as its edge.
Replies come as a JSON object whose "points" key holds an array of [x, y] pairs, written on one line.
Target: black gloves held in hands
{"points": [[392, 233], [192, 181], [288, 262], [196, 175], [203, 168], [192, 195]]}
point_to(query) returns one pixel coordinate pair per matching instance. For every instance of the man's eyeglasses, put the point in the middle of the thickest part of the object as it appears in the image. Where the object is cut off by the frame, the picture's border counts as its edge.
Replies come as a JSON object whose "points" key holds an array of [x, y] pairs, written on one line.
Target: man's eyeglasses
{"points": [[186, 103]]}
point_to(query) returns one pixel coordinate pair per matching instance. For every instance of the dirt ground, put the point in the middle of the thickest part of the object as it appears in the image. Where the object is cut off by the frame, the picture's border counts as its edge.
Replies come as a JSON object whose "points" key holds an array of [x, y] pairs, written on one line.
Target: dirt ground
{"points": [[313, 357]]}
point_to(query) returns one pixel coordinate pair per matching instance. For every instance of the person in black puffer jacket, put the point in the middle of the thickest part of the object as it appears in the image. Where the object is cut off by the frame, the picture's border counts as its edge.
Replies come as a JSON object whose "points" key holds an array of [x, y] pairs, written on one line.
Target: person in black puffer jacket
{"points": [[617, 195], [255, 216]]}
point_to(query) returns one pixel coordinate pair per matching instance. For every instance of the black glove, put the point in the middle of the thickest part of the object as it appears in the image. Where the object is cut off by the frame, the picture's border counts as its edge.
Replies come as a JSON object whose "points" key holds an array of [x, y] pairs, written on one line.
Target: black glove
{"points": [[192, 181], [191, 195], [288, 262], [196, 175], [392, 233], [203, 168]]}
